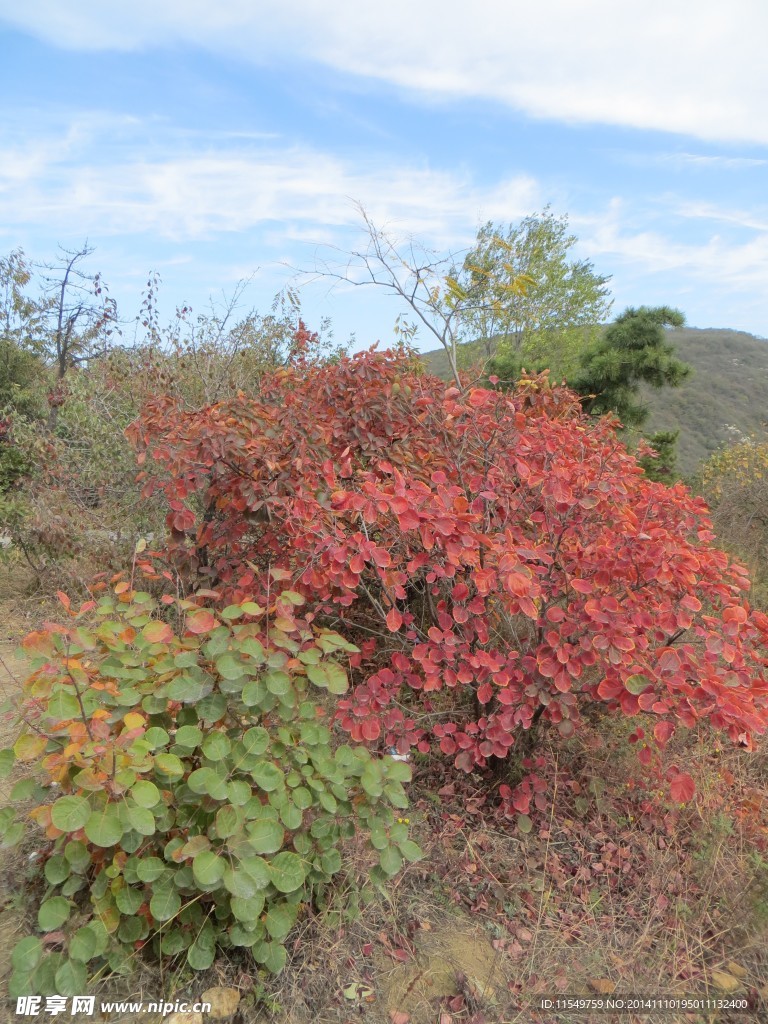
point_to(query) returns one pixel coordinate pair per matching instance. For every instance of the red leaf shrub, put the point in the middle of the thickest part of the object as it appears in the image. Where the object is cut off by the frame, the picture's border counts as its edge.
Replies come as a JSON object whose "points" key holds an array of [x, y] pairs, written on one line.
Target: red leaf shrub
{"points": [[497, 557]]}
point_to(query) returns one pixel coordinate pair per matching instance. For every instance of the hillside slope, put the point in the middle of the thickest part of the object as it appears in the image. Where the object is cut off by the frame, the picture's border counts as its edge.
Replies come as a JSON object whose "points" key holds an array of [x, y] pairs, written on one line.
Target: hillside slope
{"points": [[727, 394]]}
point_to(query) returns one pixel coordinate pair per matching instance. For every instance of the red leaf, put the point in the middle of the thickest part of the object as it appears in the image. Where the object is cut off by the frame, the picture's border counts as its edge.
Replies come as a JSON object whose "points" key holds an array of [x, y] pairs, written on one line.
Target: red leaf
{"points": [[682, 787], [663, 733], [394, 619], [371, 730]]}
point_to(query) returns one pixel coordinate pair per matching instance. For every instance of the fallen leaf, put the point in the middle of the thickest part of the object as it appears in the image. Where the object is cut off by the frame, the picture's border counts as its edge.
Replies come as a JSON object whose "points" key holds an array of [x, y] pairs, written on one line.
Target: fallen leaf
{"points": [[224, 1002], [724, 981], [357, 991], [604, 986], [736, 969], [399, 1017]]}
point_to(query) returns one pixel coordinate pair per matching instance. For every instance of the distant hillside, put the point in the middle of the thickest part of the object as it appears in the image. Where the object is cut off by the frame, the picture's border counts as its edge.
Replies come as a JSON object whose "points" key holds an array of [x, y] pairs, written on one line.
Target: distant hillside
{"points": [[727, 394]]}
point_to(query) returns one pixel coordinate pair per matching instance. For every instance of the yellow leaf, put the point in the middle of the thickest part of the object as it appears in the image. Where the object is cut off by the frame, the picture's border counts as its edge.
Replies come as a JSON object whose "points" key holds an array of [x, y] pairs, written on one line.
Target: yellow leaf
{"points": [[134, 720], [29, 747], [725, 981], [736, 969], [223, 1002]]}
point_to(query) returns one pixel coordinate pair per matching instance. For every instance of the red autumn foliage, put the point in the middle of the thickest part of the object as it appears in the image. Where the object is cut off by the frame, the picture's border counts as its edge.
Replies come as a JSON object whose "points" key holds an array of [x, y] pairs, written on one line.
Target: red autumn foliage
{"points": [[497, 557]]}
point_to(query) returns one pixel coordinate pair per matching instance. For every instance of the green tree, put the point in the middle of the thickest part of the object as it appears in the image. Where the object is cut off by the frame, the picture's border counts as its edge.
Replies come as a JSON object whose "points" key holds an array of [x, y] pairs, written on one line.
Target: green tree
{"points": [[530, 303], [632, 351], [22, 372]]}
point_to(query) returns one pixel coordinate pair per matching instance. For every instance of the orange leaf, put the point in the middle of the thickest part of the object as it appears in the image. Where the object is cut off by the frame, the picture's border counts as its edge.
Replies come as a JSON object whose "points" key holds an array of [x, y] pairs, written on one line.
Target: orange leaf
{"points": [[157, 632], [201, 622]]}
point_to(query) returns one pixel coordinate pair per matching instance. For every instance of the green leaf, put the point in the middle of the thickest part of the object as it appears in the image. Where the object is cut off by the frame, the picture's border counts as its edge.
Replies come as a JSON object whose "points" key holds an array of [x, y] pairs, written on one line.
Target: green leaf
{"points": [[216, 746], [274, 957], [13, 835], [188, 736], [70, 813], [370, 779], [7, 761], [27, 954], [149, 869], [637, 684], [258, 869], [131, 929], [390, 860], [53, 913], [280, 918], [165, 904], [200, 957], [239, 883], [141, 820], [330, 861], [337, 678], [206, 782], [156, 737], [397, 771], [267, 776], [291, 816], [71, 978], [174, 940], [208, 869], [145, 793], [265, 835], [78, 856], [287, 872], [169, 764], [229, 667], [128, 900], [24, 789], [278, 683], [57, 868], [188, 689], [239, 792], [212, 708], [524, 823], [248, 909], [255, 740], [231, 612], [104, 828], [83, 945], [410, 850], [302, 797], [229, 820], [63, 706]]}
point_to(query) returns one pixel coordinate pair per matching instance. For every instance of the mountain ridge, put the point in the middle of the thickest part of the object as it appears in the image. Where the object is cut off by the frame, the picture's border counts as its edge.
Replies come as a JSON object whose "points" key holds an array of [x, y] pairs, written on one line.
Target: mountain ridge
{"points": [[725, 398]]}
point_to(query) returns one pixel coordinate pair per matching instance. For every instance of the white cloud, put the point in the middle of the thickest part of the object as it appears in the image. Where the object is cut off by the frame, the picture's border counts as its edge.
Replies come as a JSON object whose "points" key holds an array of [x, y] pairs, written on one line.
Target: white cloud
{"points": [[74, 182], [692, 66], [724, 264]]}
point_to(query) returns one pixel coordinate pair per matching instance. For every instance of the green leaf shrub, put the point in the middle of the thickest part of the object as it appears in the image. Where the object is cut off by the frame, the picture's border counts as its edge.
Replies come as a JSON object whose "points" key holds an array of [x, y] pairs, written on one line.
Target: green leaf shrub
{"points": [[191, 795]]}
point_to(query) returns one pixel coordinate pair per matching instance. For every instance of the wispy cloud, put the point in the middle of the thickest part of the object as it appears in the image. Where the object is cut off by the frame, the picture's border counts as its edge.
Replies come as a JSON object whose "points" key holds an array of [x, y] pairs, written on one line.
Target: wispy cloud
{"points": [[725, 264], [68, 184]]}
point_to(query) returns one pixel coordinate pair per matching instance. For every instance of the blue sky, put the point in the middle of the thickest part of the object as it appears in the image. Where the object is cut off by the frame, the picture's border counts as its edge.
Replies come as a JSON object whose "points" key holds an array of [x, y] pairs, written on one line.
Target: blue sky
{"points": [[208, 141]]}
